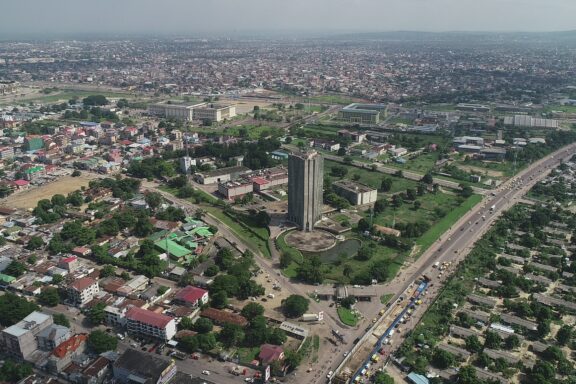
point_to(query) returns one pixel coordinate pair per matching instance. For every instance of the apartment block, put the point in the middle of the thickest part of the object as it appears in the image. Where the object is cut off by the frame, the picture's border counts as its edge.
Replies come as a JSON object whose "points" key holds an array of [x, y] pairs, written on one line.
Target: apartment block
{"points": [[82, 291], [151, 324]]}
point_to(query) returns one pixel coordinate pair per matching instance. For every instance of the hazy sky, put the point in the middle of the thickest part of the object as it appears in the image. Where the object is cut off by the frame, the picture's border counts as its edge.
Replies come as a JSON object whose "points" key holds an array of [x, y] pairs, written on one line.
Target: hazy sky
{"points": [[181, 16]]}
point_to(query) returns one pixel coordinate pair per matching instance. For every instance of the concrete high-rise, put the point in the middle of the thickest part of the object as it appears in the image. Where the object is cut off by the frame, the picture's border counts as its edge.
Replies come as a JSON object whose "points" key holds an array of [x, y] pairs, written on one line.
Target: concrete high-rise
{"points": [[305, 183]]}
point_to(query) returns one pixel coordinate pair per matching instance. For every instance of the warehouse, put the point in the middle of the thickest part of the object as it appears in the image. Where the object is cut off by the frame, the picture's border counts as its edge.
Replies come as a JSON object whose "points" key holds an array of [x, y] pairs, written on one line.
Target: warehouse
{"points": [[355, 193]]}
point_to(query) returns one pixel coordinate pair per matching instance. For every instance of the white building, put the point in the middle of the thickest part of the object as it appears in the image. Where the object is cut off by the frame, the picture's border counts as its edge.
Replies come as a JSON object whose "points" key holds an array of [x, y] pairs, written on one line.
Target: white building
{"points": [[147, 323], [82, 291]]}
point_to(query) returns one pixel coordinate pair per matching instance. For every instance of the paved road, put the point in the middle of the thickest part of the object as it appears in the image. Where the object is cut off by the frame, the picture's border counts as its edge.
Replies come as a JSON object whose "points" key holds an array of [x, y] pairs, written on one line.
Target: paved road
{"points": [[455, 245]]}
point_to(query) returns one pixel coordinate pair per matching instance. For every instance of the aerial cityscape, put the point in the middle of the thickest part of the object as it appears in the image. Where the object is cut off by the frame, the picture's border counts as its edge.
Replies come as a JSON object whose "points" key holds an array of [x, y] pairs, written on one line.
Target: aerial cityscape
{"points": [[188, 204]]}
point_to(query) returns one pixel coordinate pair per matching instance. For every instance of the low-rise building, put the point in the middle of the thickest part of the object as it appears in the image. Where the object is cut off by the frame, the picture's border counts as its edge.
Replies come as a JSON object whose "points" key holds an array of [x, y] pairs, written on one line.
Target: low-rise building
{"points": [[355, 193], [136, 367], [232, 190], [192, 296], [82, 291], [151, 324], [362, 113], [220, 175], [214, 112]]}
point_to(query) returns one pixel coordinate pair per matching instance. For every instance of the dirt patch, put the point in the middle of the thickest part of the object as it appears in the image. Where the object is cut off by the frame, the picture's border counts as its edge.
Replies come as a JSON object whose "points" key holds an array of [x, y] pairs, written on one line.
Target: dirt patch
{"points": [[271, 305], [481, 171], [29, 198]]}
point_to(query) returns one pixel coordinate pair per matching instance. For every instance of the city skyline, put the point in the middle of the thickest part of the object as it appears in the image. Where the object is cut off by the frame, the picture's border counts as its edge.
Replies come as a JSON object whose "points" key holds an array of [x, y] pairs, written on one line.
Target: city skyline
{"points": [[39, 18]]}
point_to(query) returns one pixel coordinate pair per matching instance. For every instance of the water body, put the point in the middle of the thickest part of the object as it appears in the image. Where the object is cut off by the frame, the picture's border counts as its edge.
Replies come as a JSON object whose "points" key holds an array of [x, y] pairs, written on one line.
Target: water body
{"points": [[349, 247]]}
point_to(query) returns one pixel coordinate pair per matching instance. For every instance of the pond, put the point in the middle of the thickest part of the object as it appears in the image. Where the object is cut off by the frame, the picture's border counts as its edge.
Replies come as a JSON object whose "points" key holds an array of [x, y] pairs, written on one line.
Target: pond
{"points": [[348, 247]]}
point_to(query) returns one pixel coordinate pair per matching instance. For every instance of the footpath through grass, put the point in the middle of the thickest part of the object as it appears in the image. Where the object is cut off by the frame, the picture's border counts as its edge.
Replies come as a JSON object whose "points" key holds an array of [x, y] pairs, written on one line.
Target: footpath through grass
{"points": [[430, 236]]}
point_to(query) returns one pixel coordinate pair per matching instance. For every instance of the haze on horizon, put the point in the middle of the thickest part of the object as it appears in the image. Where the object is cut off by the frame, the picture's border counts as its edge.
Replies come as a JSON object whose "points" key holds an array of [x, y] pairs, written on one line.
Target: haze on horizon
{"points": [[50, 17]]}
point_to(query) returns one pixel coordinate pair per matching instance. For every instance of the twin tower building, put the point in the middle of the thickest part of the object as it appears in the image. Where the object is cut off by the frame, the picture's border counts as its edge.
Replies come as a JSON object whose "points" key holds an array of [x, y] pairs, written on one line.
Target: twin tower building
{"points": [[305, 189]]}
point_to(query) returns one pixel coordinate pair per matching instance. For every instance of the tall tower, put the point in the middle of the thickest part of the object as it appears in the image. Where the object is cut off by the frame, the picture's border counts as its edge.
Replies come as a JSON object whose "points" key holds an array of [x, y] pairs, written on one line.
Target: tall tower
{"points": [[305, 182]]}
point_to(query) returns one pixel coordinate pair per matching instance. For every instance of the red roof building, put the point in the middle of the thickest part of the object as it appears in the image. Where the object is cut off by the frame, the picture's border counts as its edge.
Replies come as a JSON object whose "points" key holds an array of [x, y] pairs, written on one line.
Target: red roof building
{"points": [[148, 323], [70, 345], [270, 353], [192, 296]]}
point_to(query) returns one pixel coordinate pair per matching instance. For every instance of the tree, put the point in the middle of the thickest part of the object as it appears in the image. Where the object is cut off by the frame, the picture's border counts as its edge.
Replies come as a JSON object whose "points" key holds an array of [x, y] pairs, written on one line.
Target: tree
{"points": [[427, 178], [32, 260], [212, 270], [251, 310], [380, 206], [12, 372], [96, 314], [203, 325], [162, 290], [543, 328], [61, 319], [386, 184], [206, 341], [49, 297], [383, 378], [99, 341], [108, 270], [96, 100], [512, 342], [473, 344], [466, 191], [226, 283], [276, 336], [285, 259], [348, 302], [58, 200], [295, 306], [153, 199], [493, 340], [57, 279], [219, 300], [363, 225], [553, 354], [76, 173], [442, 359], [467, 375], [14, 308], [143, 227], [15, 269], [231, 335], [564, 334], [75, 199]]}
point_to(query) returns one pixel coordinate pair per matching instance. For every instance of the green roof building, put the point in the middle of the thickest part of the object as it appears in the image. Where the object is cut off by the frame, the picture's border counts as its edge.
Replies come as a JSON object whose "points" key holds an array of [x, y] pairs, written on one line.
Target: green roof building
{"points": [[6, 279], [33, 143], [172, 248]]}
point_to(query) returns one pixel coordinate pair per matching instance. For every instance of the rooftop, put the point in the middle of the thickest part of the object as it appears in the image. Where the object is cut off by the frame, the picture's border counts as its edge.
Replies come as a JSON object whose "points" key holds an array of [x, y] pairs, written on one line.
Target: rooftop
{"points": [[82, 284], [148, 317]]}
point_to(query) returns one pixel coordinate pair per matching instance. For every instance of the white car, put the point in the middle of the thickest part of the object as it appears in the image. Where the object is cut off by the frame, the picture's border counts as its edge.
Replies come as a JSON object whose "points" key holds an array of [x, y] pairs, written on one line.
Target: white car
{"points": [[329, 375], [345, 353], [205, 372]]}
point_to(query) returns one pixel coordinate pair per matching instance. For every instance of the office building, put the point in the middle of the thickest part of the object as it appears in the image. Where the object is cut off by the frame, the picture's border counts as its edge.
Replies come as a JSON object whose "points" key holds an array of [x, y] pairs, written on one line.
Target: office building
{"points": [[181, 112], [355, 193], [151, 324], [305, 183], [362, 113], [214, 112], [19, 340]]}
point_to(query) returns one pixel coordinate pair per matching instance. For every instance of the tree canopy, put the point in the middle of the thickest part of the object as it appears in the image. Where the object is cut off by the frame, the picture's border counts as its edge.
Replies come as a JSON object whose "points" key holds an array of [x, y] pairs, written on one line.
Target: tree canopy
{"points": [[295, 306]]}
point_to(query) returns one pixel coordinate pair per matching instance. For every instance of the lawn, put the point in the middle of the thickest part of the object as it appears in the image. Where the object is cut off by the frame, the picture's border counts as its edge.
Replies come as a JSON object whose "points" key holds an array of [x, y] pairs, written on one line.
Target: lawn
{"points": [[371, 178], [421, 163], [347, 316], [246, 355], [250, 235], [384, 299], [428, 238], [67, 94], [254, 132], [295, 254], [330, 99]]}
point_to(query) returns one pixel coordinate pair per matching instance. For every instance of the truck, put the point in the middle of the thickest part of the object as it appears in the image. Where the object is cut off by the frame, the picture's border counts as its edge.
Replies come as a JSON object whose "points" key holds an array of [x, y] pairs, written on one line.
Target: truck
{"points": [[436, 264], [492, 208], [310, 317]]}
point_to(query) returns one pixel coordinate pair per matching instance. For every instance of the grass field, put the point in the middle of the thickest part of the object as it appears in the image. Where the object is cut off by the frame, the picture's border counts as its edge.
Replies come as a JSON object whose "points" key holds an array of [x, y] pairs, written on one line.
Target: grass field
{"points": [[66, 94], [371, 178], [330, 99], [422, 163], [384, 299], [246, 355], [428, 238], [347, 316]]}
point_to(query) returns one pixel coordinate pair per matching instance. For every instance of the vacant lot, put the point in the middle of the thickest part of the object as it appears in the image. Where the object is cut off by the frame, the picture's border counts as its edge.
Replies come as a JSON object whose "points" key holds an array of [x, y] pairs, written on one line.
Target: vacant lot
{"points": [[29, 198]]}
